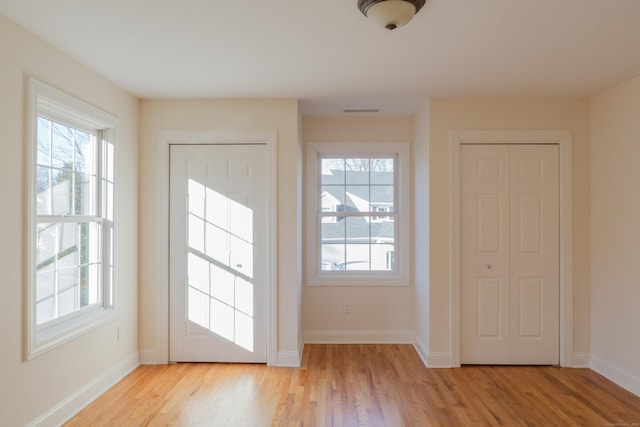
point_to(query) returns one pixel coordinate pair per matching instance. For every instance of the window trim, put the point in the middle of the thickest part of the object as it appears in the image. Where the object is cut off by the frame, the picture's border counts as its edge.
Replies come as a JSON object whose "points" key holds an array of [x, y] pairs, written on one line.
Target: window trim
{"points": [[56, 105], [314, 274]]}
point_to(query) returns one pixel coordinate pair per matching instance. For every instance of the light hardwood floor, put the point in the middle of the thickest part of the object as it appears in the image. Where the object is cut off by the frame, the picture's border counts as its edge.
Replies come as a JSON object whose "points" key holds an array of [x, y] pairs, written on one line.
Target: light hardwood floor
{"points": [[361, 385]]}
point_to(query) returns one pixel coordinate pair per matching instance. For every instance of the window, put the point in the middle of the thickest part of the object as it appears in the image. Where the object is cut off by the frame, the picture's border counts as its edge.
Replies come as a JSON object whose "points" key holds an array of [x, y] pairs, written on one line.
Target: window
{"points": [[358, 214], [70, 242]]}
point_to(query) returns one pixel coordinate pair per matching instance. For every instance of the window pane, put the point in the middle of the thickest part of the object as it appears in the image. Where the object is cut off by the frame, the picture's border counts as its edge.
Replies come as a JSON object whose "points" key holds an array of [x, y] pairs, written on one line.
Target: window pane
{"points": [[333, 256], [382, 198], [67, 269], [358, 239], [333, 241], [84, 152], [61, 146], [332, 171], [62, 191], [84, 194], [382, 171], [44, 141], [45, 296], [67, 253], [90, 252], [357, 171], [383, 245], [46, 246], [43, 191], [67, 291], [69, 186], [89, 284], [332, 198], [357, 198], [44, 310]]}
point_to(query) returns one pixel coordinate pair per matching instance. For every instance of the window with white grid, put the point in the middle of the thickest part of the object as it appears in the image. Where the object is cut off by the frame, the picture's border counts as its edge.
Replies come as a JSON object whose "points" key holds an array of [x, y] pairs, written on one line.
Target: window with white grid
{"points": [[358, 213], [71, 185]]}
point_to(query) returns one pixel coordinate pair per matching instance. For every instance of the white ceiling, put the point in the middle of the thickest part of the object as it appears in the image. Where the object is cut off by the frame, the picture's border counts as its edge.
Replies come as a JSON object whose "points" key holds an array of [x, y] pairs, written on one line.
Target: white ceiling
{"points": [[327, 54]]}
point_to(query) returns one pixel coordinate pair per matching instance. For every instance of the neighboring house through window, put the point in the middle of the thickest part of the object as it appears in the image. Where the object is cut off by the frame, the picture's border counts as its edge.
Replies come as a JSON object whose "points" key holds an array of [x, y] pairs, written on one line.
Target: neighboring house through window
{"points": [[70, 244], [349, 187]]}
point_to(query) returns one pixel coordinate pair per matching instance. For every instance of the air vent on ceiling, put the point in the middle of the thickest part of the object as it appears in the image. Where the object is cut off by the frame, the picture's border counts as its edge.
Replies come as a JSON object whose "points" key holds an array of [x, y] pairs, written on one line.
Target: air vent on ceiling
{"points": [[361, 110]]}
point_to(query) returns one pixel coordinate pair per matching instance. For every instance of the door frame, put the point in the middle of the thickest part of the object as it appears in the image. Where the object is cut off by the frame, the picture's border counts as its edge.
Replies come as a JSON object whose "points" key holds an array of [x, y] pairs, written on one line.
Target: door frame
{"points": [[168, 138], [563, 139]]}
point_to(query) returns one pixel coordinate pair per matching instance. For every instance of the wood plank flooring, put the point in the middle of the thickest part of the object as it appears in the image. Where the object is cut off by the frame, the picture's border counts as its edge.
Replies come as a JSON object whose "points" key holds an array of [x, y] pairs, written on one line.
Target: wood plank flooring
{"points": [[361, 385]]}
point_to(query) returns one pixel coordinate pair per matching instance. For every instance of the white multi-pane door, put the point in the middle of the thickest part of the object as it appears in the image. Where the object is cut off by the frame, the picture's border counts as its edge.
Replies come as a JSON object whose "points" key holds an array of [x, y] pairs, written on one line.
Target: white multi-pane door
{"points": [[509, 254], [218, 267]]}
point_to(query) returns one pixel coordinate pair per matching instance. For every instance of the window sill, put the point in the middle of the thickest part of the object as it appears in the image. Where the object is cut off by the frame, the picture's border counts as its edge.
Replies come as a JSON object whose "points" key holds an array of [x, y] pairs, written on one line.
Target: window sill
{"points": [[345, 280], [57, 332]]}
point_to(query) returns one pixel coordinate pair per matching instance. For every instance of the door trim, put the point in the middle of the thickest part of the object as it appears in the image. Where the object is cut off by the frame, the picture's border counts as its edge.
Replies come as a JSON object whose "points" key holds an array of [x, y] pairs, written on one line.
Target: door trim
{"points": [[168, 138], [563, 139]]}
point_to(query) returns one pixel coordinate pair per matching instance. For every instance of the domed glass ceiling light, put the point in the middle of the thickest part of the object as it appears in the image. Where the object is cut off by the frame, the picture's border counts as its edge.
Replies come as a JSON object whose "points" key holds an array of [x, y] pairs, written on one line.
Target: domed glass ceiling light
{"points": [[390, 14]]}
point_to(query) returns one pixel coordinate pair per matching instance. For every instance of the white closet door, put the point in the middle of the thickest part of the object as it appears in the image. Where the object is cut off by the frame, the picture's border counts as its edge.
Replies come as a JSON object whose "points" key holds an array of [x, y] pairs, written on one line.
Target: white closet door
{"points": [[218, 235], [484, 254], [509, 254], [534, 255]]}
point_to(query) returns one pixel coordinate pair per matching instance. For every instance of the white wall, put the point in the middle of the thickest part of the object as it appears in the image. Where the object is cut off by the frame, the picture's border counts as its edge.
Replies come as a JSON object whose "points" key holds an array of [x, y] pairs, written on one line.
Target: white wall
{"points": [[378, 313], [615, 234], [421, 231], [29, 389], [447, 115], [230, 115]]}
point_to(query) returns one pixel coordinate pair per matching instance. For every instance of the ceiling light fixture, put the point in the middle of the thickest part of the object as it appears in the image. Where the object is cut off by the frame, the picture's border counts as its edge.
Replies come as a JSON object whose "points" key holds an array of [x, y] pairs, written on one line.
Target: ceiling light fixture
{"points": [[390, 14]]}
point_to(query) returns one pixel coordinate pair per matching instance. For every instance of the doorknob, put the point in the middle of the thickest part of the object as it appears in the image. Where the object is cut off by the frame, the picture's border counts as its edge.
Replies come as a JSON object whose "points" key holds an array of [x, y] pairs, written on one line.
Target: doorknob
{"points": [[239, 265], [489, 266]]}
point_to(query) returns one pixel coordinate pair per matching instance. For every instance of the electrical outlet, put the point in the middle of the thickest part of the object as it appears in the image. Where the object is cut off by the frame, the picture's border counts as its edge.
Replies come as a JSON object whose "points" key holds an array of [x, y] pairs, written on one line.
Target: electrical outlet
{"points": [[346, 307]]}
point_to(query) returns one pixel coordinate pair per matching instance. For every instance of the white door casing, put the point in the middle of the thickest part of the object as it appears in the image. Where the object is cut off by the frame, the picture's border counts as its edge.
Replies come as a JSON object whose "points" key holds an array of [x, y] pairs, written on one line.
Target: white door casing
{"points": [[218, 236], [563, 141], [509, 254]]}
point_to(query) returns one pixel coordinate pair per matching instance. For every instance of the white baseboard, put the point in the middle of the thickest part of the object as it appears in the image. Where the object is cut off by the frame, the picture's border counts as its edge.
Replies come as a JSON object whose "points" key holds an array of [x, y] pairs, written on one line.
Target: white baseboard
{"points": [[439, 360], [622, 377], [289, 359], [421, 349], [77, 401], [580, 360], [432, 360], [358, 337]]}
